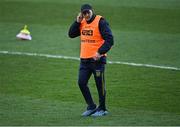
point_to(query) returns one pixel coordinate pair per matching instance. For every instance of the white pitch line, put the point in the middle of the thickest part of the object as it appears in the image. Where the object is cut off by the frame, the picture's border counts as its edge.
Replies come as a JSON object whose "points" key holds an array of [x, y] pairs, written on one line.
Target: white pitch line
{"points": [[76, 58]]}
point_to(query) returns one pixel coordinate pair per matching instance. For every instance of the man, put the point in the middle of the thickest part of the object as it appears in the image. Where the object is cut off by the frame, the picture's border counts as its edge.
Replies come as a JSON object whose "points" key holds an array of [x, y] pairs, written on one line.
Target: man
{"points": [[96, 40]]}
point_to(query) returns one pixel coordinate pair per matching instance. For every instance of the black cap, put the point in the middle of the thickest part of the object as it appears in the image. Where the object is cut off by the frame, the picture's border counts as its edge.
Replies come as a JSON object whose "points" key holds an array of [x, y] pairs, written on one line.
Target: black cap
{"points": [[86, 7]]}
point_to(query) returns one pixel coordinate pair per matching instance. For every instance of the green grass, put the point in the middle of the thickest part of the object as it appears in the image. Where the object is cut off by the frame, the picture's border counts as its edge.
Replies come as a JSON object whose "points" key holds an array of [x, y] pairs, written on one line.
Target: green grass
{"points": [[44, 91], [47, 94], [142, 34]]}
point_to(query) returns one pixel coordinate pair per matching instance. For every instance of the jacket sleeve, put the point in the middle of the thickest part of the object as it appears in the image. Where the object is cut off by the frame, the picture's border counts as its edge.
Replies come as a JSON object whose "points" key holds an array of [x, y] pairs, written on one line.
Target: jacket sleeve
{"points": [[106, 35], [74, 30]]}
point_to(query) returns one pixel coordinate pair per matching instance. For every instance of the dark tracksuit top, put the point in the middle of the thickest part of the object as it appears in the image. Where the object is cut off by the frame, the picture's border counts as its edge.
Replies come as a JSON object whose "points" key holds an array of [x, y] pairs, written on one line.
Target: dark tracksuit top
{"points": [[104, 29], [89, 66]]}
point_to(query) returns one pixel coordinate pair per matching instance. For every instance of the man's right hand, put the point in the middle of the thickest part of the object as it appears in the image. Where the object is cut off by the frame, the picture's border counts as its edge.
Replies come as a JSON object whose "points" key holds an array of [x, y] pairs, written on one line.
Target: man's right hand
{"points": [[79, 17]]}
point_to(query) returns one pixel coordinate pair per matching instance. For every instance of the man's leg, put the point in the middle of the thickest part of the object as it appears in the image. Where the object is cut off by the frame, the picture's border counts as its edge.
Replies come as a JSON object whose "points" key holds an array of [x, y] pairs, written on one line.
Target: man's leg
{"points": [[84, 75], [100, 84]]}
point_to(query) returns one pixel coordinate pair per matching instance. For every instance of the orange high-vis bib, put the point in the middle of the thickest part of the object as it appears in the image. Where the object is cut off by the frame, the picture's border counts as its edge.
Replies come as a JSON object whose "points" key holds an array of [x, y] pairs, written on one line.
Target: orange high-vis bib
{"points": [[91, 39]]}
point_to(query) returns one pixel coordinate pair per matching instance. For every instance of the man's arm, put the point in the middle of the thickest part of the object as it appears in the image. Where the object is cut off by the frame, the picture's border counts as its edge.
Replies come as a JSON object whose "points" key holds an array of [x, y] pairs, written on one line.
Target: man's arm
{"points": [[74, 30], [106, 35]]}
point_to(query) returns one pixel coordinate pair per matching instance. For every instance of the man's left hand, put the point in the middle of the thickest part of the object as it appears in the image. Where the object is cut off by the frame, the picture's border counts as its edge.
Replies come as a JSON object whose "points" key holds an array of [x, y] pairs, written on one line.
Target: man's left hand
{"points": [[97, 56]]}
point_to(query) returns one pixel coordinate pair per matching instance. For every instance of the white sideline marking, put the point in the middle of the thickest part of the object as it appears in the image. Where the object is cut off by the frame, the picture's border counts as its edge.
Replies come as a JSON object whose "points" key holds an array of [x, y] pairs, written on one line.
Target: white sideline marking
{"points": [[75, 58]]}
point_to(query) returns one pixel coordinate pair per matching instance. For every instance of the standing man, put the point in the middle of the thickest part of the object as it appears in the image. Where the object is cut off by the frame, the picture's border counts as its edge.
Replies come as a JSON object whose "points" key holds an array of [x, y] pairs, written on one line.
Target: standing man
{"points": [[96, 40]]}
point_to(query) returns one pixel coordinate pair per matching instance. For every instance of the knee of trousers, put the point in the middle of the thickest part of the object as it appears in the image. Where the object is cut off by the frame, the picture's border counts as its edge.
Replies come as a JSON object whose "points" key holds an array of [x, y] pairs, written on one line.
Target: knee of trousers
{"points": [[82, 83]]}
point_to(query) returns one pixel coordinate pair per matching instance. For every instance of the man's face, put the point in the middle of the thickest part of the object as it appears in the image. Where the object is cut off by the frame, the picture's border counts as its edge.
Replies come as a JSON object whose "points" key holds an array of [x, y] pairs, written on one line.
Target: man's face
{"points": [[87, 14]]}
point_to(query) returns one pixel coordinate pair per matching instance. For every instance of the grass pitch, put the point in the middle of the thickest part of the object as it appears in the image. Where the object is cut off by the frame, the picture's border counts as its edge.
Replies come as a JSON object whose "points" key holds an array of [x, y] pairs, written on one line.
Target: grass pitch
{"points": [[41, 91], [44, 91]]}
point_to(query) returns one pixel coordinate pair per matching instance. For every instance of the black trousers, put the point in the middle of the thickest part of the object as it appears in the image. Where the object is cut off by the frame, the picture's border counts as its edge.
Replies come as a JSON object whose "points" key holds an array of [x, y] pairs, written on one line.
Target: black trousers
{"points": [[86, 69]]}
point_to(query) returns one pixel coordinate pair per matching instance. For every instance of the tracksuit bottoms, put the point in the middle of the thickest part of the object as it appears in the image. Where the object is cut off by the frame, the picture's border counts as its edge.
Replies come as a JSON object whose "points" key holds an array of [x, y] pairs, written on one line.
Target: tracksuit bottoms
{"points": [[86, 69]]}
